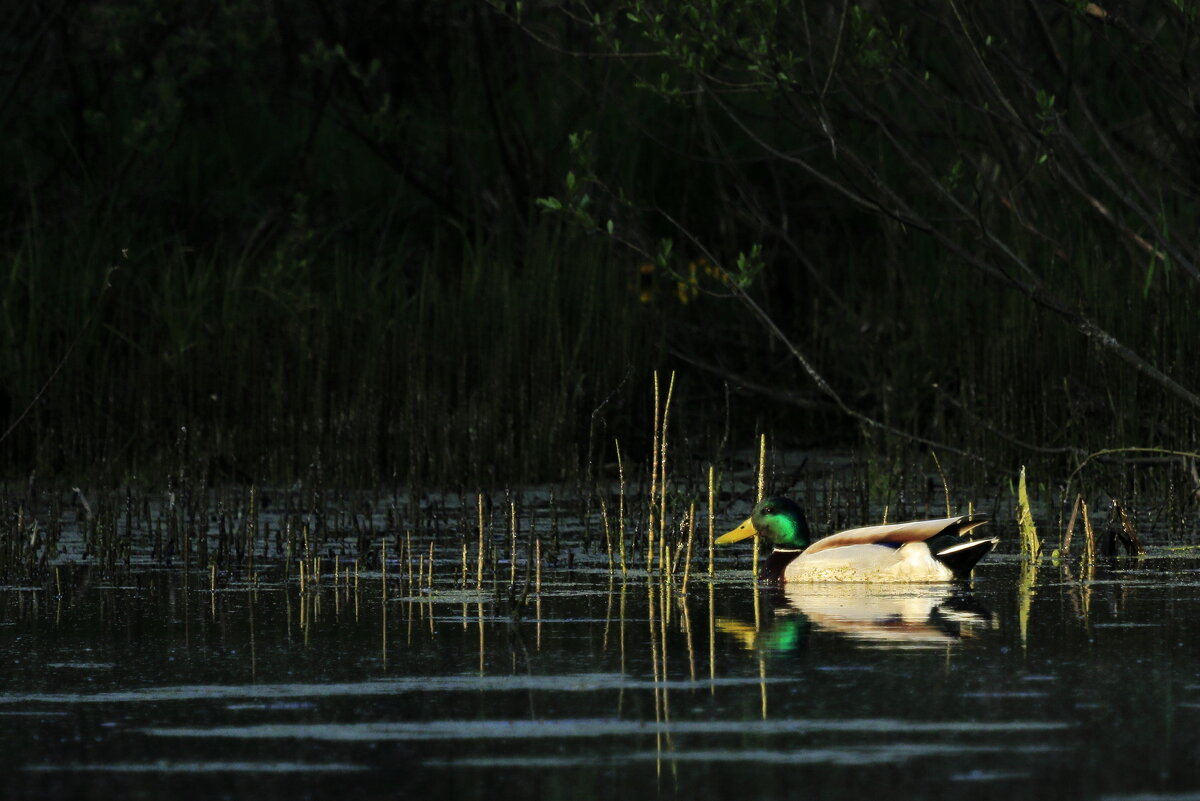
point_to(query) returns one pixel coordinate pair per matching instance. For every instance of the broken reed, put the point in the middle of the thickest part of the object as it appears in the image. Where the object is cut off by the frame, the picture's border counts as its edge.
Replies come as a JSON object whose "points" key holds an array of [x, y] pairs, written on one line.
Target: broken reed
{"points": [[1119, 530]]}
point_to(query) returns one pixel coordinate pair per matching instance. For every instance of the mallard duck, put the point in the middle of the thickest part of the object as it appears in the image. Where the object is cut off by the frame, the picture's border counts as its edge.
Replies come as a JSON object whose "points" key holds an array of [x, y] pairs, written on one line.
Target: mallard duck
{"points": [[923, 550]]}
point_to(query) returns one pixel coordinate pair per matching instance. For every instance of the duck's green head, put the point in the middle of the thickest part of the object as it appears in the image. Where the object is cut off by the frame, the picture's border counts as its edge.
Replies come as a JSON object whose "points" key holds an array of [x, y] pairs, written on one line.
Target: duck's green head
{"points": [[779, 521]]}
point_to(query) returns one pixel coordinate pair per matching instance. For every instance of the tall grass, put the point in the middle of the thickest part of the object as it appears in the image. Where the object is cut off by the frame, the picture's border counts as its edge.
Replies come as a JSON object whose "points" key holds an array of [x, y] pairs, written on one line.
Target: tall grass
{"points": [[456, 363]]}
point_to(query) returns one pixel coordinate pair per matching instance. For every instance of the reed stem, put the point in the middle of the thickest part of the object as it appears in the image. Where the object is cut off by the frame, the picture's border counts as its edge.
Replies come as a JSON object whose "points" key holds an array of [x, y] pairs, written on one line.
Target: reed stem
{"points": [[479, 562], [760, 493], [654, 462], [711, 530], [620, 507]]}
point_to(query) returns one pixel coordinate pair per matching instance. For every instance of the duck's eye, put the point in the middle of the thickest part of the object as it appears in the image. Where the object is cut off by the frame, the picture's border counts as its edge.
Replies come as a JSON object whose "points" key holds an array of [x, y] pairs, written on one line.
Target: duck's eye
{"points": [[770, 510]]}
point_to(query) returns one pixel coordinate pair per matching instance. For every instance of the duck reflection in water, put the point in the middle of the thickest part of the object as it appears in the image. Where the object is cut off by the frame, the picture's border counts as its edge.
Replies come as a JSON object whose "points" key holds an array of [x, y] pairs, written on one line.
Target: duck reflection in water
{"points": [[871, 615]]}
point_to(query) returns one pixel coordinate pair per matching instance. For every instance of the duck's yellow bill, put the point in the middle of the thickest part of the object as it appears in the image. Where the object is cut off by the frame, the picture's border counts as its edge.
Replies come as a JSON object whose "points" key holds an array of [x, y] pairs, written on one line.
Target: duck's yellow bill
{"points": [[740, 533]]}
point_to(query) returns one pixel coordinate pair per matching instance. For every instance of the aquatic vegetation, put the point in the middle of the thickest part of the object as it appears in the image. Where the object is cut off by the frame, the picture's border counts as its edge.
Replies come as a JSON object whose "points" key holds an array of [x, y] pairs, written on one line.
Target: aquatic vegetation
{"points": [[1031, 547]]}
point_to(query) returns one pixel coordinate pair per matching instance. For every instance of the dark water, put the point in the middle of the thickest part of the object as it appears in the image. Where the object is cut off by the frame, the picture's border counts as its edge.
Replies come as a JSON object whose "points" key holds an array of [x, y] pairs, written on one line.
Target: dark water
{"points": [[606, 689]]}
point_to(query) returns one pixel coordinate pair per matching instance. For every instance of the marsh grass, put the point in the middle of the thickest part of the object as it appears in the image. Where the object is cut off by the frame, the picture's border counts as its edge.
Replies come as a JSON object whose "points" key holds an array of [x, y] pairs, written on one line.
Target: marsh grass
{"points": [[445, 364], [650, 511]]}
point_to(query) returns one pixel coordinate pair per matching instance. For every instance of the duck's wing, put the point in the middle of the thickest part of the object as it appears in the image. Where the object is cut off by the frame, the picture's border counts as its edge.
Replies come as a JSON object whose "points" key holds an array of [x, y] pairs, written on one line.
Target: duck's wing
{"points": [[896, 533]]}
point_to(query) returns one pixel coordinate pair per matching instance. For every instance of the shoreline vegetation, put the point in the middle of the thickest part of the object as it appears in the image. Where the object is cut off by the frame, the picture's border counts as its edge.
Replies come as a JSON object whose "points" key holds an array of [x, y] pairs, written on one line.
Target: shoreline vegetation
{"points": [[449, 245], [657, 520]]}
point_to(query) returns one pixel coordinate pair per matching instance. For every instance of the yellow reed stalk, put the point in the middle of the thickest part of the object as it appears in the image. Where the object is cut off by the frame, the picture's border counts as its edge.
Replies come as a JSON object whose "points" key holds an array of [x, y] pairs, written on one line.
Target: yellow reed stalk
{"points": [[687, 559], [1089, 546], [653, 482], [608, 546], [945, 485], [1064, 548], [712, 639], [664, 618], [383, 626], [712, 495], [762, 684], [479, 563], [662, 471], [760, 493], [383, 573], [512, 543], [687, 630], [620, 506], [406, 565], [654, 663]]}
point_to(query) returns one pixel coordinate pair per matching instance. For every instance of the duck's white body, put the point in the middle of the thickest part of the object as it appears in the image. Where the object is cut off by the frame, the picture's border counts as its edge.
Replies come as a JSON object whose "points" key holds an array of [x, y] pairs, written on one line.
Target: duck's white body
{"points": [[911, 562]]}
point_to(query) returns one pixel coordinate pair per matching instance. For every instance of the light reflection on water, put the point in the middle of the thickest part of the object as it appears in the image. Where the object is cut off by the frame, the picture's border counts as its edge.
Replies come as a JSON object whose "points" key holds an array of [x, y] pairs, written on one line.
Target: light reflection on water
{"points": [[576, 728], [165, 766], [874, 615], [604, 687]]}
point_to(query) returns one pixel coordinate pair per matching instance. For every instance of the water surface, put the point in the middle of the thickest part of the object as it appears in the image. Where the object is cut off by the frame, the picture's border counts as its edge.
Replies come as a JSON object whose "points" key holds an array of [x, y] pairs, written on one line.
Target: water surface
{"points": [[605, 687]]}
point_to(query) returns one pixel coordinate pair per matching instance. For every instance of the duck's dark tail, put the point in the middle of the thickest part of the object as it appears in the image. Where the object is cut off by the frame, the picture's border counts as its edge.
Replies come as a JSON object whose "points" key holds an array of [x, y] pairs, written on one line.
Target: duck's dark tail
{"points": [[959, 555]]}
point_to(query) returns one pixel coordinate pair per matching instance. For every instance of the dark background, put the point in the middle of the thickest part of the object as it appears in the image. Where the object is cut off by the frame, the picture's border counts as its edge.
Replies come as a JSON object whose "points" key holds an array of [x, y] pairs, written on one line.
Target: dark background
{"points": [[451, 241]]}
